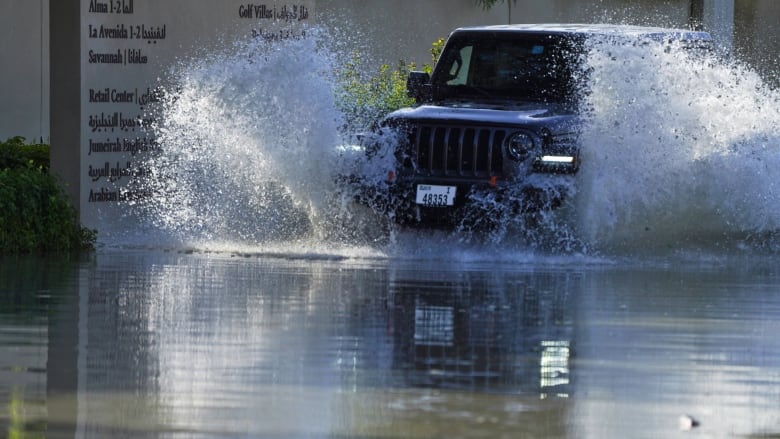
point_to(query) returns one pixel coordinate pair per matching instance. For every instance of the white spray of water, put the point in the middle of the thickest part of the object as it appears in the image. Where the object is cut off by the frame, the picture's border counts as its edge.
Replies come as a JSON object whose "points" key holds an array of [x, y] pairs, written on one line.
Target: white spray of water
{"points": [[247, 144], [677, 151]]}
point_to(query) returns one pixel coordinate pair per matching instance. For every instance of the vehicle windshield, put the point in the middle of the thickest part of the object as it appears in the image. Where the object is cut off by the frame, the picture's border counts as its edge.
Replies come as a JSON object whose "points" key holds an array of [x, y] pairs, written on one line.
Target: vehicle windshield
{"points": [[505, 66]]}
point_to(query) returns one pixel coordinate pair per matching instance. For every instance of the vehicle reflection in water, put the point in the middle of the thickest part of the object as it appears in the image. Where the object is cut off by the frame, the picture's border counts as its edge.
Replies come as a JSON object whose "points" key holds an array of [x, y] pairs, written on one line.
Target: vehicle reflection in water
{"points": [[176, 345], [486, 332], [168, 345]]}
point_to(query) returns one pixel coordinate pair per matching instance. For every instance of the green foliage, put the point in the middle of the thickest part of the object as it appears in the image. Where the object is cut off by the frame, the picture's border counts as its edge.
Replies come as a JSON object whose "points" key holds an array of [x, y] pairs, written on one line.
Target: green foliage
{"points": [[365, 98], [436, 49], [487, 4], [15, 153], [35, 214]]}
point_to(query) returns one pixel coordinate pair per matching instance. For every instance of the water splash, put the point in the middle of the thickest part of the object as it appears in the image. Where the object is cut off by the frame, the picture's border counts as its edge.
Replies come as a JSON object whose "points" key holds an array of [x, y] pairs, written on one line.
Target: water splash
{"points": [[248, 144], [677, 153]]}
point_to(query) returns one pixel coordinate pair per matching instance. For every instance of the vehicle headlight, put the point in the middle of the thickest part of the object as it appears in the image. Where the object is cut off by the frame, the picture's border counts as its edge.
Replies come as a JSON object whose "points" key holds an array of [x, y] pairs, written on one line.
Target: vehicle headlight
{"points": [[519, 146]]}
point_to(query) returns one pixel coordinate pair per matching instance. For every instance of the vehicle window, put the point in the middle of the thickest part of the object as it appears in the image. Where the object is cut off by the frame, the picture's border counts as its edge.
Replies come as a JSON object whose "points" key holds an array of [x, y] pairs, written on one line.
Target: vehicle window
{"points": [[460, 66], [507, 67], [514, 65]]}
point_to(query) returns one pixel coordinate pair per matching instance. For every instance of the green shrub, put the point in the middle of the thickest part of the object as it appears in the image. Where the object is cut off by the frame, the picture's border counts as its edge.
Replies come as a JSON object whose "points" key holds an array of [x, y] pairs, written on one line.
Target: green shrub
{"points": [[364, 97], [15, 153], [35, 214], [487, 4]]}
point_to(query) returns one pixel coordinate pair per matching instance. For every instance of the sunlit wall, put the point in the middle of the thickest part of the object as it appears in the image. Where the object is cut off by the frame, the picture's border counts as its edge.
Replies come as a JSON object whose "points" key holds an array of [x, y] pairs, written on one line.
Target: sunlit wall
{"points": [[390, 31]]}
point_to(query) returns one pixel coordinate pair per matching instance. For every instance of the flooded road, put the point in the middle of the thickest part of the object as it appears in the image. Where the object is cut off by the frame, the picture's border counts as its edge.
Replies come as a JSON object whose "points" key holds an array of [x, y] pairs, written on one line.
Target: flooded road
{"points": [[352, 329], [149, 343]]}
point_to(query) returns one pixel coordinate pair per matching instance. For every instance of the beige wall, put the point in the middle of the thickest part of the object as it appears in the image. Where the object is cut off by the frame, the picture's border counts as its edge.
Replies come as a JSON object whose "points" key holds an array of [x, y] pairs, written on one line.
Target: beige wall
{"points": [[757, 36], [405, 29], [399, 29], [24, 75]]}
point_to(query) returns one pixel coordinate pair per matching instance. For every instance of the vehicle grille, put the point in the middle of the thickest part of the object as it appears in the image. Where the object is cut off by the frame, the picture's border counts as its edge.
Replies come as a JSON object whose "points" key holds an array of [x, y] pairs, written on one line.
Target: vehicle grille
{"points": [[440, 150]]}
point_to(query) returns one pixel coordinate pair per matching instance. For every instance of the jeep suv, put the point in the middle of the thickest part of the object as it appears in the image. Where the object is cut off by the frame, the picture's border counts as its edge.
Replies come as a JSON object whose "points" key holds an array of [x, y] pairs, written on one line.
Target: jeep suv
{"points": [[496, 123]]}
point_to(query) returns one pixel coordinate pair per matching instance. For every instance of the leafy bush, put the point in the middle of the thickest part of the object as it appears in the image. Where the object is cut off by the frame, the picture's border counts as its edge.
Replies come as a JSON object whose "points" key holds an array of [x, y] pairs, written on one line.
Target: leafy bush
{"points": [[487, 4], [35, 214], [364, 98], [15, 153]]}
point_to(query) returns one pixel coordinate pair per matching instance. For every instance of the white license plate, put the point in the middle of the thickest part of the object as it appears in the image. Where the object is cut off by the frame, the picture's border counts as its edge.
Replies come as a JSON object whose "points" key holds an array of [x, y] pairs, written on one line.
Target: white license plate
{"points": [[435, 196]]}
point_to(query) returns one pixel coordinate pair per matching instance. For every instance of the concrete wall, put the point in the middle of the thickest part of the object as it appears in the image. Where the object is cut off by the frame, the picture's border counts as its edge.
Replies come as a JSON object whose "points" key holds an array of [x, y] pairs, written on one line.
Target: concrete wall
{"points": [[719, 21], [401, 29], [405, 29], [65, 99], [757, 36], [24, 75], [107, 58]]}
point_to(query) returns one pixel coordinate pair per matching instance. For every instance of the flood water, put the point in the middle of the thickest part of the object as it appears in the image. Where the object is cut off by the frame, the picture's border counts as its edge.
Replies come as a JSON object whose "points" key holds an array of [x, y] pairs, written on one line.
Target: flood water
{"points": [[168, 344], [247, 300]]}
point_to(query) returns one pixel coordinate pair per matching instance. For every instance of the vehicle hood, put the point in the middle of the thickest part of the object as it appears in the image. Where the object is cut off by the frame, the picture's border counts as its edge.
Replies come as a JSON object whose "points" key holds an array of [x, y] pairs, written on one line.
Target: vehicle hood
{"points": [[529, 115]]}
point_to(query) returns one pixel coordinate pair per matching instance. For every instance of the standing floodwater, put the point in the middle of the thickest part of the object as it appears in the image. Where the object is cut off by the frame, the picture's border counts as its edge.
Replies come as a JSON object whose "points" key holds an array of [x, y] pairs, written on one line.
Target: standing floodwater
{"points": [[260, 303], [253, 301], [146, 344]]}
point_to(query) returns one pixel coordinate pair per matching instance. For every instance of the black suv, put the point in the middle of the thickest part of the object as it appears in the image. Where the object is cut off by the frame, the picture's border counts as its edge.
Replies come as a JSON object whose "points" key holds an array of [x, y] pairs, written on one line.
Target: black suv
{"points": [[496, 124]]}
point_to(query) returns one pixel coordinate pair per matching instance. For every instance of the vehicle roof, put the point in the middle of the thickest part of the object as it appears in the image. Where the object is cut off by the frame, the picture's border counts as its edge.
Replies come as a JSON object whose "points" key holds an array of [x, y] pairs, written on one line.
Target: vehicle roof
{"points": [[608, 30]]}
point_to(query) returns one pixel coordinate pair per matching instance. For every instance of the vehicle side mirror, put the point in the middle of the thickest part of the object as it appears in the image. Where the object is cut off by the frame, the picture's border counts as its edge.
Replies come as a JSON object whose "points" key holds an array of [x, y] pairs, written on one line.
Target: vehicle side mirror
{"points": [[418, 85]]}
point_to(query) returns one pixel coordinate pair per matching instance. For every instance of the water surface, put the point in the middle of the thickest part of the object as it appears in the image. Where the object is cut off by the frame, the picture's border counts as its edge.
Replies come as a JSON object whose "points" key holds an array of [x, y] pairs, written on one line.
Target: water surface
{"points": [[250, 298], [134, 343]]}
